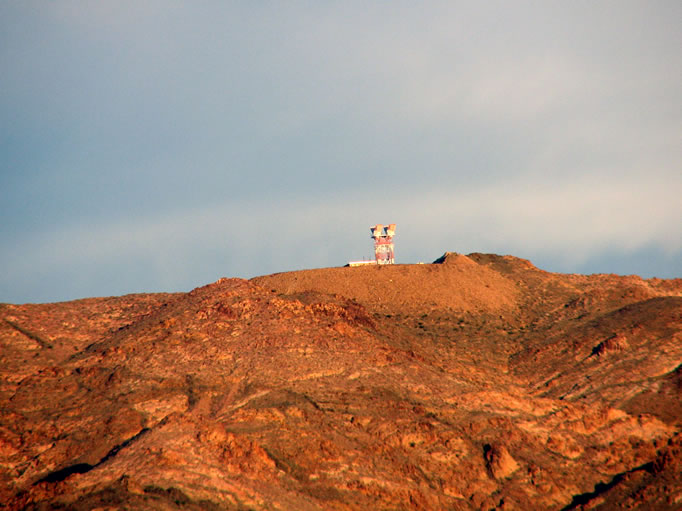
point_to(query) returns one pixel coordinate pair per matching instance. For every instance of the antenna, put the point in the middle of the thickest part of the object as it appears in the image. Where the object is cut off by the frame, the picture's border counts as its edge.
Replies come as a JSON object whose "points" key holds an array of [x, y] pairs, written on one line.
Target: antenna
{"points": [[383, 243]]}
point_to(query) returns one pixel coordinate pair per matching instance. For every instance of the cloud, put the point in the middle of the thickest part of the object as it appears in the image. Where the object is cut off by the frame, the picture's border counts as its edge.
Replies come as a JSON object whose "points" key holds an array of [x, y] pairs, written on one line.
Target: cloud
{"points": [[149, 146]]}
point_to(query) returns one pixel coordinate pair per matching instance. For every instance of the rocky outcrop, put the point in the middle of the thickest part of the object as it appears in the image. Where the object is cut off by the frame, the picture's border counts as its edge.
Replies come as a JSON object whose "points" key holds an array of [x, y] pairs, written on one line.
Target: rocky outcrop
{"points": [[479, 383], [499, 461], [614, 344]]}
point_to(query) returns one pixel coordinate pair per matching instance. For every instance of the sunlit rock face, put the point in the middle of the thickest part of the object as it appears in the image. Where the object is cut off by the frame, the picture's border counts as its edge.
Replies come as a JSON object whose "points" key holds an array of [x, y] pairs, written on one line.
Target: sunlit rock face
{"points": [[476, 382]]}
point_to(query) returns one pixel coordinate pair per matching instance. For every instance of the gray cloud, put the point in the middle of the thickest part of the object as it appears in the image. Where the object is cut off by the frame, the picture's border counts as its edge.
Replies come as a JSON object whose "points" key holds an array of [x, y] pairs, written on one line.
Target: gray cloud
{"points": [[152, 147]]}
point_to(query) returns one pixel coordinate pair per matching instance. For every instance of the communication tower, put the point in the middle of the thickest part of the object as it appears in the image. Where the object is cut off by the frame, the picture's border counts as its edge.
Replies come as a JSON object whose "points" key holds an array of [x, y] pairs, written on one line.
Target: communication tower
{"points": [[383, 243]]}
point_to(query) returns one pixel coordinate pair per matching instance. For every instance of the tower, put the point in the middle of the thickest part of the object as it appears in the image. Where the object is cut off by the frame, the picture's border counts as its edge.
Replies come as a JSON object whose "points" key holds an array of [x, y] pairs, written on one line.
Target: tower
{"points": [[383, 243]]}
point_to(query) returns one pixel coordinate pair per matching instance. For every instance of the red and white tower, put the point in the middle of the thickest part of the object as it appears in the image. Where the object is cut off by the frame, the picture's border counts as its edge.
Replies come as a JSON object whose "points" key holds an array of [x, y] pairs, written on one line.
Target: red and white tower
{"points": [[383, 243]]}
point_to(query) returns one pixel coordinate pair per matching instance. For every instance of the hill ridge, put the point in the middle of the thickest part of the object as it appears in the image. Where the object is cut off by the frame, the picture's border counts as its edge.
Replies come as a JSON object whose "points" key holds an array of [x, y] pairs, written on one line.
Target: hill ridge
{"points": [[477, 382]]}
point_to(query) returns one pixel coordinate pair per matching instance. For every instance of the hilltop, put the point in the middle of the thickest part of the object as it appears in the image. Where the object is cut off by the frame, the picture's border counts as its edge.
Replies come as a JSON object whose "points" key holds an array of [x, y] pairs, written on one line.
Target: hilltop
{"points": [[475, 382]]}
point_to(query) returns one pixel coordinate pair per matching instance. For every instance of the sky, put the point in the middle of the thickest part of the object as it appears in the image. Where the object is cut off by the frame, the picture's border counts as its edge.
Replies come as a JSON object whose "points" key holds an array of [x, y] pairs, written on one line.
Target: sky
{"points": [[158, 146]]}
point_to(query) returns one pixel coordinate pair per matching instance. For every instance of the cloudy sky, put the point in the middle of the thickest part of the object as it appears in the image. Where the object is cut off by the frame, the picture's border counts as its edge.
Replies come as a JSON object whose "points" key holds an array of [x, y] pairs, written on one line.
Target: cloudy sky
{"points": [[158, 146]]}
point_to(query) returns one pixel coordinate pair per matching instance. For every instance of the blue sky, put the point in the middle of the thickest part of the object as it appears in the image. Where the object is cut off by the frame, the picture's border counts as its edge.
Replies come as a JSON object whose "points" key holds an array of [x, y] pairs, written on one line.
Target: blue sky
{"points": [[158, 146]]}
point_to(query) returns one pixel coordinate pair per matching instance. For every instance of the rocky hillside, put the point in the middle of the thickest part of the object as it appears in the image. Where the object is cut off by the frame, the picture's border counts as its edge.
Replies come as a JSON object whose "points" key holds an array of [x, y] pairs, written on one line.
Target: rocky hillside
{"points": [[476, 382]]}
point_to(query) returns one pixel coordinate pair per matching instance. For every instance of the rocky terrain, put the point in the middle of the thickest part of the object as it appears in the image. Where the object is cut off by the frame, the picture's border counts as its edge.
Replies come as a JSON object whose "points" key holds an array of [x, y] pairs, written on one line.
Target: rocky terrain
{"points": [[476, 382]]}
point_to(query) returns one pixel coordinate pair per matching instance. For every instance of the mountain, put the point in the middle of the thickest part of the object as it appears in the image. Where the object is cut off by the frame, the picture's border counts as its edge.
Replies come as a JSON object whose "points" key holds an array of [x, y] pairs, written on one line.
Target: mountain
{"points": [[475, 382]]}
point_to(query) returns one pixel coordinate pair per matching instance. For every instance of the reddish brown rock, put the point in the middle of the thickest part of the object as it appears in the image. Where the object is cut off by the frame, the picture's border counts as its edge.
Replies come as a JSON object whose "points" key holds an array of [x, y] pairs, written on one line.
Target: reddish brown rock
{"points": [[613, 344], [480, 382], [499, 461]]}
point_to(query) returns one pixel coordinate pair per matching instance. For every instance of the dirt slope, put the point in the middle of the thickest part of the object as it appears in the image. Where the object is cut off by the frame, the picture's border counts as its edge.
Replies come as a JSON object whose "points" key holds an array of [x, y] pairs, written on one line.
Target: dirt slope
{"points": [[478, 382]]}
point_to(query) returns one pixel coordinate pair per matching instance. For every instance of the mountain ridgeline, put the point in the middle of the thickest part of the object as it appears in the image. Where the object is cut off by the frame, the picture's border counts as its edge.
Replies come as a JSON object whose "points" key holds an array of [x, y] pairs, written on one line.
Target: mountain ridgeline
{"points": [[474, 383]]}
